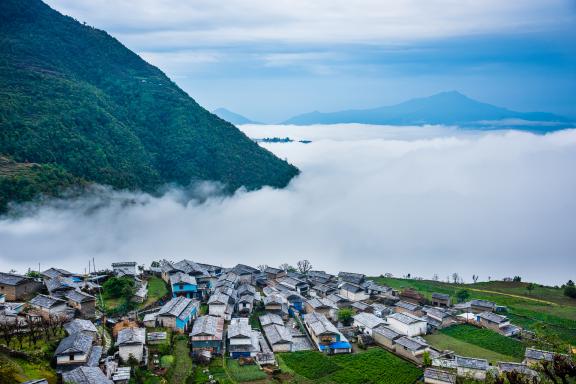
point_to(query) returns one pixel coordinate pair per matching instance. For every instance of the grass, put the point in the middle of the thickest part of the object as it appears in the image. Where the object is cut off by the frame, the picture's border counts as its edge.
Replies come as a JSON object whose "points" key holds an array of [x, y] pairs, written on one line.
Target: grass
{"points": [[487, 339], [544, 305], [443, 342], [216, 369], [166, 361], [28, 370], [375, 366], [157, 289], [244, 373], [182, 367]]}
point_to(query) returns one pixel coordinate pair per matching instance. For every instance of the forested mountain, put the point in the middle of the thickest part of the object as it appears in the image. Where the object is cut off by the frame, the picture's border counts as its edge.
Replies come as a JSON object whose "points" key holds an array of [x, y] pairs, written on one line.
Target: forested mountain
{"points": [[233, 117], [76, 106], [442, 108]]}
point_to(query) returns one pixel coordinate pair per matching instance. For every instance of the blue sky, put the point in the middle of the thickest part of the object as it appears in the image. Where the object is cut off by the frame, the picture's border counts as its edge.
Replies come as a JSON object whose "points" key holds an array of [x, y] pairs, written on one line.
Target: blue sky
{"points": [[270, 60]]}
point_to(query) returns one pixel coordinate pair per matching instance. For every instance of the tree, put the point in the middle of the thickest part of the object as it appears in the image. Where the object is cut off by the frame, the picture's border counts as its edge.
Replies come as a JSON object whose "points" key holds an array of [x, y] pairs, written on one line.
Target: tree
{"points": [[345, 316], [570, 289], [462, 295], [262, 267], [33, 274], [426, 359], [455, 278], [287, 267], [435, 277], [517, 279], [475, 278], [304, 266], [119, 287], [530, 287]]}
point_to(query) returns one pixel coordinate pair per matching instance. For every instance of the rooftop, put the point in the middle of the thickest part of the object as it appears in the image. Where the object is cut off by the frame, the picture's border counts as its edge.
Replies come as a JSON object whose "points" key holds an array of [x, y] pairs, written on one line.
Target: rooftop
{"points": [[208, 326], [471, 363], [405, 318], [368, 320], [131, 336], [75, 343], [80, 325], [44, 301]]}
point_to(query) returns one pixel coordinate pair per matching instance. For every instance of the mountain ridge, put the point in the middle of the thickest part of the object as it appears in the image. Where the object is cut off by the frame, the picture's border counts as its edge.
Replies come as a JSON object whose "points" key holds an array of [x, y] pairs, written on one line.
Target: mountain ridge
{"points": [[80, 105], [233, 117], [450, 107]]}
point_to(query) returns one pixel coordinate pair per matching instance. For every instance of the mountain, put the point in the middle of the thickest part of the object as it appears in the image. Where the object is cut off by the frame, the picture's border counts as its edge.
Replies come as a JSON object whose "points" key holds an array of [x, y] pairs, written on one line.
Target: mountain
{"points": [[77, 107], [233, 117], [442, 108]]}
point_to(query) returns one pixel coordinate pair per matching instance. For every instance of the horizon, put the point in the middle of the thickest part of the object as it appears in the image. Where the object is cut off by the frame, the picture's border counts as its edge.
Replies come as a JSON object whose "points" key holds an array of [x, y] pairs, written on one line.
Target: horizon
{"points": [[271, 61]]}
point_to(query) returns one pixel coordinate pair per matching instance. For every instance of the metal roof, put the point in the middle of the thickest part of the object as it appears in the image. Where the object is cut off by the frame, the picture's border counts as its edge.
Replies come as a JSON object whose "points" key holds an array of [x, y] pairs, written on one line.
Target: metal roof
{"points": [[537, 354], [79, 325], [79, 297], [405, 318], [12, 279], [180, 307], [319, 323], [387, 333], [411, 343], [208, 326], [131, 336], [471, 363], [44, 301], [181, 277], [277, 334], [440, 375], [271, 318], [85, 375], [75, 343], [440, 296], [368, 320], [408, 306], [492, 317], [239, 327]]}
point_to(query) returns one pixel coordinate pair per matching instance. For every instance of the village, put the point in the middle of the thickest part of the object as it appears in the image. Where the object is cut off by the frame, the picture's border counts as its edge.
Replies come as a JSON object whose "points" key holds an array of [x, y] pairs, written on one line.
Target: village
{"points": [[191, 322]]}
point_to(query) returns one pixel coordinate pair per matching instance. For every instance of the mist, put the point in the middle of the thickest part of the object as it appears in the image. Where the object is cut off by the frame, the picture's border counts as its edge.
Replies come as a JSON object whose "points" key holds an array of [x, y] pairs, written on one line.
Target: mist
{"points": [[370, 199]]}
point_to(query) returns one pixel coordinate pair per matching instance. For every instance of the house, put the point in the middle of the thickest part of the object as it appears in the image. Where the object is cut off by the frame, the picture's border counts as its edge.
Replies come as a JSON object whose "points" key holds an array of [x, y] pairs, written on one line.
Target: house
{"points": [[360, 306], [323, 306], [386, 337], [17, 287], [60, 286], [86, 375], [521, 369], [408, 307], [126, 268], [438, 376], [48, 305], [533, 357], [207, 335], [381, 310], [276, 303], [352, 278], [412, 348], [178, 313], [270, 318], [492, 321], [183, 284], [322, 290], [353, 292], [374, 289], [471, 368], [294, 299], [279, 337], [339, 300], [367, 322], [149, 320], [84, 303], [412, 296], [478, 306], [81, 326], [437, 318], [274, 273], [246, 289], [77, 350], [130, 343], [53, 273], [325, 335], [440, 300], [294, 284], [407, 324], [245, 304], [221, 305], [243, 340]]}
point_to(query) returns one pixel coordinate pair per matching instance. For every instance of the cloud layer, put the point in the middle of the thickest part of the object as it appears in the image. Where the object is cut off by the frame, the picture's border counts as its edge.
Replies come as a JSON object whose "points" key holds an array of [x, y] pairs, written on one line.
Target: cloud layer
{"points": [[419, 200]]}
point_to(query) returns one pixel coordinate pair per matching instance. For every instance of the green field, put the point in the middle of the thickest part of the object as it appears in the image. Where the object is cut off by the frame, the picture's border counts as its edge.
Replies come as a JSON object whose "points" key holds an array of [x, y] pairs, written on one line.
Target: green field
{"points": [[543, 306], [156, 290], [216, 369], [14, 370], [462, 348], [487, 339], [182, 367], [375, 366], [244, 373]]}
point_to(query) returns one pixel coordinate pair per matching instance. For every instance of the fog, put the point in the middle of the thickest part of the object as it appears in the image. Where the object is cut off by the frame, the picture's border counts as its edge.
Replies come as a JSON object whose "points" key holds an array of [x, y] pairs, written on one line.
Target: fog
{"points": [[371, 199]]}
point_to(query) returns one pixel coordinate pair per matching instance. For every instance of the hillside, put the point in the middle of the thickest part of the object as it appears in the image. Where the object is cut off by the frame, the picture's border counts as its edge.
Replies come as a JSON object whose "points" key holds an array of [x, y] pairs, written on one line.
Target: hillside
{"points": [[442, 108], [233, 117], [81, 106]]}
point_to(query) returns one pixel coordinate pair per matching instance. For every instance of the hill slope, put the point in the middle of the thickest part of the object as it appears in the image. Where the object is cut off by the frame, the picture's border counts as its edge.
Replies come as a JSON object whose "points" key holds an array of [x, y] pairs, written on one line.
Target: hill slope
{"points": [[233, 117], [442, 108], [75, 100]]}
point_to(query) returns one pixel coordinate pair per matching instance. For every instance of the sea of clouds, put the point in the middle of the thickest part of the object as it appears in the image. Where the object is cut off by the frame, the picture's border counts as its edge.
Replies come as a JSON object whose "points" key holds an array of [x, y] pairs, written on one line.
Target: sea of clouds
{"points": [[372, 199]]}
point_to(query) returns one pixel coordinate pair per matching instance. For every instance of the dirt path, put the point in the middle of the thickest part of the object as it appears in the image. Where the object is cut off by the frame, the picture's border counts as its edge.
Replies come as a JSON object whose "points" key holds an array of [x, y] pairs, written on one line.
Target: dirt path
{"points": [[511, 295]]}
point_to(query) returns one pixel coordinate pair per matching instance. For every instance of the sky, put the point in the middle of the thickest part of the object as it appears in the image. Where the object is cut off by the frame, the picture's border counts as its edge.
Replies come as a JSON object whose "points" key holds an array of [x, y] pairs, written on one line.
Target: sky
{"points": [[270, 60], [370, 199]]}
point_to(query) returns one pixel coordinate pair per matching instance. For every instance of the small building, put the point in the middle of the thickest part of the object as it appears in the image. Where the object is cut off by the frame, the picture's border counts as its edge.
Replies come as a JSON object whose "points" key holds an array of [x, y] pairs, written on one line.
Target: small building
{"points": [[279, 337], [274, 273], [325, 335], [437, 317], [353, 278], [84, 303], [478, 306], [386, 337], [17, 287], [339, 300], [353, 292], [440, 300], [125, 268], [178, 313], [81, 326], [322, 290], [360, 306], [408, 307], [471, 368], [77, 350], [492, 321], [207, 335], [439, 376], [407, 324], [367, 322], [533, 356], [141, 293], [130, 343], [519, 368], [294, 284], [323, 306], [221, 305], [86, 375], [276, 303], [183, 284], [53, 273], [48, 305], [412, 348], [244, 341], [149, 320], [413, 296], [245, 304], [381, 310]]}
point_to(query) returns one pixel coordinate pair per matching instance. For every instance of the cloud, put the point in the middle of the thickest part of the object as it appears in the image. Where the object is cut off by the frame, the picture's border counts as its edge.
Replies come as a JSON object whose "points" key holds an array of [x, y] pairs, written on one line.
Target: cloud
{"points": [[419, 200]]}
